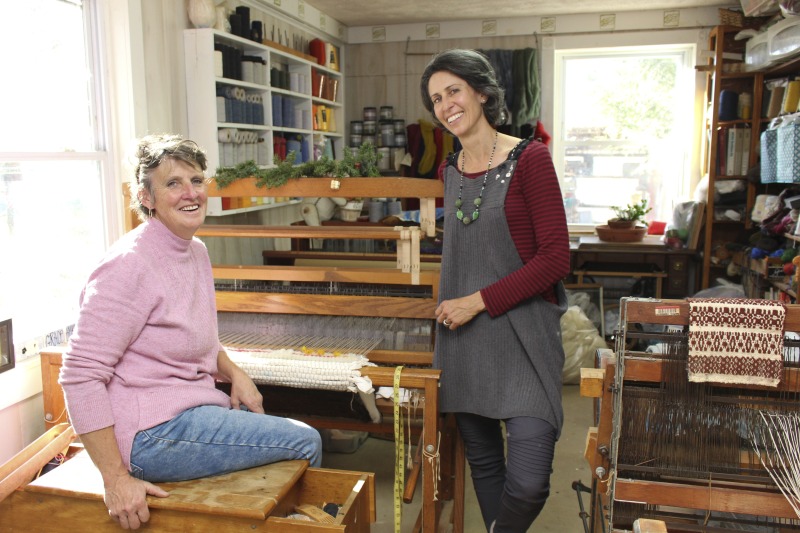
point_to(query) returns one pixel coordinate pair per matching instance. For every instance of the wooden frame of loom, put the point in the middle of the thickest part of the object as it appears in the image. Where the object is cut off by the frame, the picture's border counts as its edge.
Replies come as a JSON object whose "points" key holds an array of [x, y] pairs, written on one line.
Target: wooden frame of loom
{"points": [[600, 383], [407, 273]]}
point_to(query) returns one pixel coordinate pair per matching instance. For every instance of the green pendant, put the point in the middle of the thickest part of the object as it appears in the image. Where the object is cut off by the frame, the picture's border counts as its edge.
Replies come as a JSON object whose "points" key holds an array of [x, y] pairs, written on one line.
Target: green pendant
{"points": [[458, 203], [477, 202], [475, 215], [466, 220], [459, 214]]}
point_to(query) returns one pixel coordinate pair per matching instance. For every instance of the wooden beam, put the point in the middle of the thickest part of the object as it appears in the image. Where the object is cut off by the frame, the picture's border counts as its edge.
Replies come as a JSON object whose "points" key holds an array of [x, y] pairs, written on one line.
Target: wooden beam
{"points": [[592, 382], [704, 497], [325, 304], [676, 312], [380, 187]]}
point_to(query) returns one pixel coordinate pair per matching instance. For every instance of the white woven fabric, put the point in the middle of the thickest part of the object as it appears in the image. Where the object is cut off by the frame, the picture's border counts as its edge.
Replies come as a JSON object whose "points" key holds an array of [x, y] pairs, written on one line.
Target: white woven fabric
{"points": [[292, 368]]}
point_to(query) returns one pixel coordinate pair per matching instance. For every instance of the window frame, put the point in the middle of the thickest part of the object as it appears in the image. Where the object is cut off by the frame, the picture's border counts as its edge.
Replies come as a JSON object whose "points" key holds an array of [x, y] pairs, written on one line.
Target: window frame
{"points": [[28, 343], [693, 39]]}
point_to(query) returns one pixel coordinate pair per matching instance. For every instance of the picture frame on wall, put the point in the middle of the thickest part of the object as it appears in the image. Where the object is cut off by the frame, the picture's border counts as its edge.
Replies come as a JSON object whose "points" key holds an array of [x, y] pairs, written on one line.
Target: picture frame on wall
{"points": [[6, 346]]}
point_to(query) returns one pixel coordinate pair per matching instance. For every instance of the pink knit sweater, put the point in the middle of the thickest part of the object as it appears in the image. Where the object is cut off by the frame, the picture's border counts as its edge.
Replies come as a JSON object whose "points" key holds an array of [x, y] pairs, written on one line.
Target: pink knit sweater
{"points": [[145, 345]]}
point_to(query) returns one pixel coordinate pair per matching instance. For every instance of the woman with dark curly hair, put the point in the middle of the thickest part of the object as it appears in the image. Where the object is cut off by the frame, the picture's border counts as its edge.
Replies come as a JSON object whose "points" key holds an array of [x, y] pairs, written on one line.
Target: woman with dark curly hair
{"points": [[506, 250], [139, 372]]}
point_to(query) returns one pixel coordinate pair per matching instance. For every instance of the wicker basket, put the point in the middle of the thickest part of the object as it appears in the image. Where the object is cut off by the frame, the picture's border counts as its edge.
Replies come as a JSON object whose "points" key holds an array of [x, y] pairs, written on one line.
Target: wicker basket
{"points": [[729, 17]]}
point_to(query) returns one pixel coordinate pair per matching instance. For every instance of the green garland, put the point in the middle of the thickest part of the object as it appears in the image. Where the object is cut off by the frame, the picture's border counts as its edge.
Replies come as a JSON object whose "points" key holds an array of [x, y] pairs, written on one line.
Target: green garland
{"points": [[364, 163]]}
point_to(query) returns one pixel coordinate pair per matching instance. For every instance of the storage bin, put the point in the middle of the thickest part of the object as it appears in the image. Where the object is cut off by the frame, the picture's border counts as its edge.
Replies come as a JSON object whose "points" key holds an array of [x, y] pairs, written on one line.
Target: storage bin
{"points": [[788, 153], [769, 152], [756, 53], [784, 38]]}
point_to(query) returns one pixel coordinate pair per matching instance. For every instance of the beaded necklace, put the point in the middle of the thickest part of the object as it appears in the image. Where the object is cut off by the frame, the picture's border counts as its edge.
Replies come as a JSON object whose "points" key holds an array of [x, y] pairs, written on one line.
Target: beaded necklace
{"points": [[477, 201]]}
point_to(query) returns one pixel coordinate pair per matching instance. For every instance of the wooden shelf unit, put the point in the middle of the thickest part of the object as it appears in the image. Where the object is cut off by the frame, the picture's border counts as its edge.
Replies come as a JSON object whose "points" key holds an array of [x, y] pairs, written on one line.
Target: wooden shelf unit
{"points": [[717, 232]]}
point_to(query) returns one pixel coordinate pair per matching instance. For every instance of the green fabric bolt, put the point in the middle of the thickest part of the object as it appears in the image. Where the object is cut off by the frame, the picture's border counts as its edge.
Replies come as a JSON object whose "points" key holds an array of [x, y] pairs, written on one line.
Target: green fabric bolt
{"points": [[527, 92]]}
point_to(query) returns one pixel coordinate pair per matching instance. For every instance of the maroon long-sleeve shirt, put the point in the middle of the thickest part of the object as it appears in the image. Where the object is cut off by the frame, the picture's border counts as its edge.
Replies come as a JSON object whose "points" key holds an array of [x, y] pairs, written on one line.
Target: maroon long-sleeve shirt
{"points": [[538, 225]]}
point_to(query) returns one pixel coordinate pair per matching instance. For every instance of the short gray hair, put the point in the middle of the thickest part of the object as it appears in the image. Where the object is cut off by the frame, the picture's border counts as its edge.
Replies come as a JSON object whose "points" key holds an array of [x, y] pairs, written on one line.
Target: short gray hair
{"points": [[151, 151]]}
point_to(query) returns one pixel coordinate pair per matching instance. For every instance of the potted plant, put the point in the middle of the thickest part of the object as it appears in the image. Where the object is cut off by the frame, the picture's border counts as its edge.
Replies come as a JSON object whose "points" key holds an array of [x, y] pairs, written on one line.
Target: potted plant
{"points": [[630, 216]]}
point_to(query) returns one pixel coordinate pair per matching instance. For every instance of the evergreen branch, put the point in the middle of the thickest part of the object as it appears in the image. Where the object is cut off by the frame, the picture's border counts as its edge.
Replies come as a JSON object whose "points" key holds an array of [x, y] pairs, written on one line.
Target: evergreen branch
{"points": [[364, 163]]}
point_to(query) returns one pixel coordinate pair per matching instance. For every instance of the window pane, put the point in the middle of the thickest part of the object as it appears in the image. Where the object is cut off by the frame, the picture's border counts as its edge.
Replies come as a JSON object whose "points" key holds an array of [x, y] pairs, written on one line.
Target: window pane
{"points": [[51, 235], [622, 138], [45, 96]]}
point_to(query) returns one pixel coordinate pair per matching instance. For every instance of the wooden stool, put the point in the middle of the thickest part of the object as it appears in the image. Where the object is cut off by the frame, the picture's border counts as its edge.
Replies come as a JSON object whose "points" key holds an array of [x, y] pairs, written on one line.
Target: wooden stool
{"points": [[70, 498]]}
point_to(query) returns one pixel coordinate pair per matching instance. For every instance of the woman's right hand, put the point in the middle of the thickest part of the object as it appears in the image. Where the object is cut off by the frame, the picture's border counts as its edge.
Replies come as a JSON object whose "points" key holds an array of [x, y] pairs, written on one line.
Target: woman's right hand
{"points": [[126, 499]]}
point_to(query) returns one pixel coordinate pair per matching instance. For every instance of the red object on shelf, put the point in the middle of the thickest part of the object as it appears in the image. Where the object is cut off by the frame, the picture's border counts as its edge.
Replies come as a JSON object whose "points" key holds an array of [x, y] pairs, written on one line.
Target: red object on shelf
{"points": [[656, 227], [316, 48]]}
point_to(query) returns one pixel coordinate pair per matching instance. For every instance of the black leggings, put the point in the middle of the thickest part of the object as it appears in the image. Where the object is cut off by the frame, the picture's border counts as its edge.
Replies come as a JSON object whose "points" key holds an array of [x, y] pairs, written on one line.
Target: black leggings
{"points": [[511, 492]]}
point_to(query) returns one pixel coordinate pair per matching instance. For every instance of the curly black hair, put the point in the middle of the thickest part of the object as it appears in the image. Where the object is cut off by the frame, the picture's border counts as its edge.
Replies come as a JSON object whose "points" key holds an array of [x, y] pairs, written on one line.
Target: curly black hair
{"points": [[475, 69]]}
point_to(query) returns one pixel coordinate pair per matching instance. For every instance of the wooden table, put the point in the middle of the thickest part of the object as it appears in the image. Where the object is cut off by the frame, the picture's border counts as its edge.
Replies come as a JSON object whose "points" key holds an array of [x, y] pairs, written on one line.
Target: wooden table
{"points": [[672, 270]]}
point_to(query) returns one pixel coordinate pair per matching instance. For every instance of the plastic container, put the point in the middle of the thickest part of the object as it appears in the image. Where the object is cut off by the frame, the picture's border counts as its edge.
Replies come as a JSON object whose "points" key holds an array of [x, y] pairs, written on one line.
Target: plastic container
{"points": [[756, 55], [784, 38]]}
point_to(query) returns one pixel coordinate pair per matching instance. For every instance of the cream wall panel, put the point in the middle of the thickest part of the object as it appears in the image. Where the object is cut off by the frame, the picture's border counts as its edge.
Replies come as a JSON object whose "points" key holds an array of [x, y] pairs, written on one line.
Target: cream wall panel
{"points": [[389, 73], [162, 27]]}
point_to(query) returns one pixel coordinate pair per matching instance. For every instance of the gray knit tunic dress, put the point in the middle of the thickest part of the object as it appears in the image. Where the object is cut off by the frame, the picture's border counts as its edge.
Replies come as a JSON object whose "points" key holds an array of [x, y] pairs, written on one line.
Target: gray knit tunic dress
{"points": [[506, 366]]}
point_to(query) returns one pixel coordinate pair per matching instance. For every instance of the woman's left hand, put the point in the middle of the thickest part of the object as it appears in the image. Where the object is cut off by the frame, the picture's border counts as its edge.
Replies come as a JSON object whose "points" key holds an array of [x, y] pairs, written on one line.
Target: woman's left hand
{"points": [[458, 311], [244, 392]]}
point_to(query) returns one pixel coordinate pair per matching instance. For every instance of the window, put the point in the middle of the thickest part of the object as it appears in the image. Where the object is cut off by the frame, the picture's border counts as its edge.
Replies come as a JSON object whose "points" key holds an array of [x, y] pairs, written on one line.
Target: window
{"points": [[52, 164], [624, 128]]}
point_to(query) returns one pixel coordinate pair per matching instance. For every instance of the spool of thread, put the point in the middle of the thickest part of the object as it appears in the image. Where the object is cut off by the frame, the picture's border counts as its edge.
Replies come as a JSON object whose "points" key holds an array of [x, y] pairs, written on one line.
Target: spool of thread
{"points": [[244, 14], [356, 127], [377, 210], [355, 139], [277, 110], [791, 97], [728, 105], [370, 114], [221, 117], [387, 134], [226, 135], [394, 208], [368, 139], [387, 112], [218, 63], [370, 127], [237, 25], [400, 126], [256, 31], [248, 72], [400, 139], [745, 106], [384, 163]]}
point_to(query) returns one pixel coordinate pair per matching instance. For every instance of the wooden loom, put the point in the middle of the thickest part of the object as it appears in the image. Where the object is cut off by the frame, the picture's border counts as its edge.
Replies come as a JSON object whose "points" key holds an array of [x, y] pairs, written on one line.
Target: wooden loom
{"points": [[671, 450], [417, 374]]}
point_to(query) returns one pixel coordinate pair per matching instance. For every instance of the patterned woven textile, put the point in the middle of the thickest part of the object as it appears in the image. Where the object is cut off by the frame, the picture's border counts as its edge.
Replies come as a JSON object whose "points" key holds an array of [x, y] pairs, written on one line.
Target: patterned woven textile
{"points": [[736, 340]]}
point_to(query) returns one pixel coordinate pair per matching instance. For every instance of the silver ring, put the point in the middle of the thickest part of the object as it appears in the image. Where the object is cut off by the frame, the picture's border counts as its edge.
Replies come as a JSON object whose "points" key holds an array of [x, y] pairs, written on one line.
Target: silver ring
{"points": [[446, 322]]}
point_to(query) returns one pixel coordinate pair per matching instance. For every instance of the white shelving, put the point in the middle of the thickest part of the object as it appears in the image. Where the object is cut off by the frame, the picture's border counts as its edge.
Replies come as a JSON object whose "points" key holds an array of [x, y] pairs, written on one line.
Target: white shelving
{"points": [[253, 131]]}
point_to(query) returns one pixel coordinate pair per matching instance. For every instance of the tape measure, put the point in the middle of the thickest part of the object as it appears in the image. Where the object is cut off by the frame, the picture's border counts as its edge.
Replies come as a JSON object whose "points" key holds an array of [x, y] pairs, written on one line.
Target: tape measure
{"points": [[399, 467]]}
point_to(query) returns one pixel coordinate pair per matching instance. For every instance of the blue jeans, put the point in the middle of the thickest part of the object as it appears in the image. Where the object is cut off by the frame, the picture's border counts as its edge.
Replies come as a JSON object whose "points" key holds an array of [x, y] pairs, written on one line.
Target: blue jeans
{"points": [[210, 440]]}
